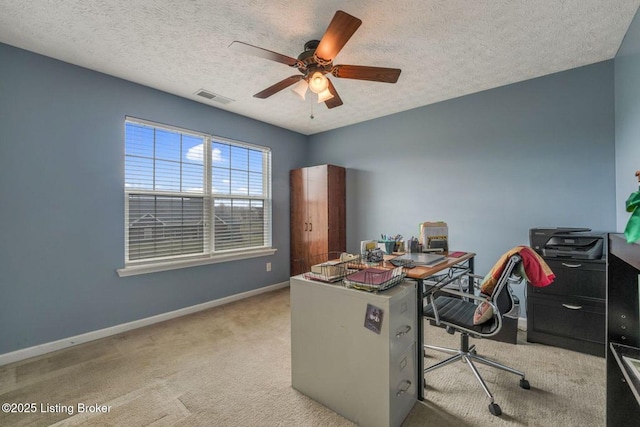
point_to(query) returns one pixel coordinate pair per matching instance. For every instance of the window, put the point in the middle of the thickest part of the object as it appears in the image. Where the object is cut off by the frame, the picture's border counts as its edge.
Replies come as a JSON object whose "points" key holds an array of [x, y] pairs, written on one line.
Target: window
{"points": [[183, 201]]}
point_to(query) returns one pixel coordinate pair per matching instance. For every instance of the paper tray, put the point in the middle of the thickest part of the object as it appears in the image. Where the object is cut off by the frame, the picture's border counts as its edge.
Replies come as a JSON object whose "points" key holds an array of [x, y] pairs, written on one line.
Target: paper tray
{"points": [[331, 267], [374, 279]]}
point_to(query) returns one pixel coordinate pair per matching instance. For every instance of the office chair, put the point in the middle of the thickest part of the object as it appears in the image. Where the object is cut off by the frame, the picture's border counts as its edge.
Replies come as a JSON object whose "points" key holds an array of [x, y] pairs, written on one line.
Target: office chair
{"points": [[454, 310]]}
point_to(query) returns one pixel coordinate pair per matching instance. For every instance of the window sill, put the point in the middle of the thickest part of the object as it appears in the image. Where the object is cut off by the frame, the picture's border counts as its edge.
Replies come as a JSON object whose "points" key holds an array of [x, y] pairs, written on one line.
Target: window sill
{"points": [[133, 270]]}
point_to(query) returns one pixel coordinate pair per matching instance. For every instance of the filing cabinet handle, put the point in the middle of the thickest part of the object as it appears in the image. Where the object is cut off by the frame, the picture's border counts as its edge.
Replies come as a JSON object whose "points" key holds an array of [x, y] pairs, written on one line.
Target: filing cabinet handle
{"points": [[572, 307], [405, 331], [404, 390], [572, 265]]}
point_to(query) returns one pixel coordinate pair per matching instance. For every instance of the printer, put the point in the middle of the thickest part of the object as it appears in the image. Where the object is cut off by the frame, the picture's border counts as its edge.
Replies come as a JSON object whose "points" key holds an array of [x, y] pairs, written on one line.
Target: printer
{"points": [[567, 242]]}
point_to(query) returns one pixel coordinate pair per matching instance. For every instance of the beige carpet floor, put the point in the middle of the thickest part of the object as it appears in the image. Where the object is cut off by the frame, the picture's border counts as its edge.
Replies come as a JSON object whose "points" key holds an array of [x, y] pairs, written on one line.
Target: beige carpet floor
{"points": [[231, 366]]}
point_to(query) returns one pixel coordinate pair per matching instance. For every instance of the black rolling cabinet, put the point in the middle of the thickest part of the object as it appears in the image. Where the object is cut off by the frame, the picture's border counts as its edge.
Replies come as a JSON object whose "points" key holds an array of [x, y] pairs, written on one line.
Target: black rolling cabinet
{"points": [[623, 331], [571, 312]]}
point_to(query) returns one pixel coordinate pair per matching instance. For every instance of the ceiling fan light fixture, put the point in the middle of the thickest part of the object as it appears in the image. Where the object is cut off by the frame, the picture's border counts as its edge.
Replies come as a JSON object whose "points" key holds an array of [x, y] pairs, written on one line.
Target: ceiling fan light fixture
{"points": [[300, 89], [318, 82], [325, 95]]}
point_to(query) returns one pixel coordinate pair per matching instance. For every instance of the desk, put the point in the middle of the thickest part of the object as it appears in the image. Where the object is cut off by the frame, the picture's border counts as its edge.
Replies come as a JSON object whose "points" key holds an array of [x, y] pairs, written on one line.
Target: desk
{"points": [[419, 274], [623, 330], [350, 369]]}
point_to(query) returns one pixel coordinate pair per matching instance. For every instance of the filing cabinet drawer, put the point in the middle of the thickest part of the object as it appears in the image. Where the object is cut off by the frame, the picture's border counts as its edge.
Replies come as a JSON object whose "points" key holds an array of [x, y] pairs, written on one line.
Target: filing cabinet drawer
{"points": [[402, 331], [403, 392], [567, 324], [569, 319], [579, 278]]}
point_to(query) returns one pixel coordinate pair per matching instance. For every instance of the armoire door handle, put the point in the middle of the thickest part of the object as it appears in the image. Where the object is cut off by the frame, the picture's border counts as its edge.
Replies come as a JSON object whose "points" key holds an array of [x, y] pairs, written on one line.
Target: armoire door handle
{"points": [[306, 226], [310, 226]]}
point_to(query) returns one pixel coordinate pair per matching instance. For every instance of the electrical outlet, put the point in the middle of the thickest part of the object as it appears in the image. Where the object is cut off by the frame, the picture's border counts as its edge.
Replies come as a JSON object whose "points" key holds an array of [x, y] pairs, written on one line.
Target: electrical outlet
{"points": [[268, 266]]}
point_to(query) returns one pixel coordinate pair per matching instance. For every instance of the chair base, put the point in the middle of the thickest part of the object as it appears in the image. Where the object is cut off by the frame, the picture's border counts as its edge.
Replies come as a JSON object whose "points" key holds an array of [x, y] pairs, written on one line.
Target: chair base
{"points": [[468, 355]]}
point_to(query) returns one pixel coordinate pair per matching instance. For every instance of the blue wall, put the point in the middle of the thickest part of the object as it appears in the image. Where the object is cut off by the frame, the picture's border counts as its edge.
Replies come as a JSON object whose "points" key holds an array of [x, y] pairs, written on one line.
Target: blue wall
{"points": [[62, 202], [627, 89], [492, 164]]}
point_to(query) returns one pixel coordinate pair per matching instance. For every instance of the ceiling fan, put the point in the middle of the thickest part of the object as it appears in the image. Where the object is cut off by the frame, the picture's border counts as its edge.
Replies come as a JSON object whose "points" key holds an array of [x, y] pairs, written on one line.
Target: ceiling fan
{"points": [[317, 60]]}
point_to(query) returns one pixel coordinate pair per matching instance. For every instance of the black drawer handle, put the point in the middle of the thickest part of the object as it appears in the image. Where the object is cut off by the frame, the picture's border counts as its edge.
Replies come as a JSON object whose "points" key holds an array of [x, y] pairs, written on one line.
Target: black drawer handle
{"points": [[572, 307], [572, 265]]}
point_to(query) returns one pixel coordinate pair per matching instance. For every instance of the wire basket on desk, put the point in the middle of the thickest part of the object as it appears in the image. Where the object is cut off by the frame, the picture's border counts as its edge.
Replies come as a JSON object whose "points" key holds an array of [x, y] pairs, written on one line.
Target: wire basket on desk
{"points": [[329, 267], [375, 279]]}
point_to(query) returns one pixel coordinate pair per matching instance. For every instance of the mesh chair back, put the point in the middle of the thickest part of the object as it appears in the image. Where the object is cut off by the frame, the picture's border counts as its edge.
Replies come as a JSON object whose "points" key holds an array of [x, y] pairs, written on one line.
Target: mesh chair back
{"points": [[502, 296]]}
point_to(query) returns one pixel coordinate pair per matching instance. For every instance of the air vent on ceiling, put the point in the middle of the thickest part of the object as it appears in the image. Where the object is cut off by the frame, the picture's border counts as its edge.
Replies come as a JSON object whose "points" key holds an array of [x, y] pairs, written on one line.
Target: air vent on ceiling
{"points": [[213, 96]]}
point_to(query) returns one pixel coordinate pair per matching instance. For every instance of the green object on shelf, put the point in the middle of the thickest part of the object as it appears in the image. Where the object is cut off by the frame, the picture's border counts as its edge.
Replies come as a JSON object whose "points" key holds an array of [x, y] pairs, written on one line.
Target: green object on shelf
{"points": [[632, 231]]}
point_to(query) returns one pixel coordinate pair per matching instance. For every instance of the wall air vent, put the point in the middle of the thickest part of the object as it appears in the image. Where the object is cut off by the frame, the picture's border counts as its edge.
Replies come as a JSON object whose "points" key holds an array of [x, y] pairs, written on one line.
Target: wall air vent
{"points": [[213, 96]]}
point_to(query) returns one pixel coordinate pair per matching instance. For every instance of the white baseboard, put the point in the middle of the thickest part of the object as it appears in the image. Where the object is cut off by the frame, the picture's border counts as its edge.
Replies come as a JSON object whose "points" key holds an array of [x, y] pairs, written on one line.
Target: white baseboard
{"points": [[41, 349], [522, 323]]}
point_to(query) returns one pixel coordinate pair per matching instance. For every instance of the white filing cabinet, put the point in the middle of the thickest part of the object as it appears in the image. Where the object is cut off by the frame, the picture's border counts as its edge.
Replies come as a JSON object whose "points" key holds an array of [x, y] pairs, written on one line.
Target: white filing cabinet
{"points": [[364, 376]]}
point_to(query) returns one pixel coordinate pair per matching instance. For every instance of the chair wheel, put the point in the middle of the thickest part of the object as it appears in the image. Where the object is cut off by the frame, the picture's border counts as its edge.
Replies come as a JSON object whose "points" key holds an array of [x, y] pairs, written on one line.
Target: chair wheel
{"points": [[495, 409], [524, 384]]}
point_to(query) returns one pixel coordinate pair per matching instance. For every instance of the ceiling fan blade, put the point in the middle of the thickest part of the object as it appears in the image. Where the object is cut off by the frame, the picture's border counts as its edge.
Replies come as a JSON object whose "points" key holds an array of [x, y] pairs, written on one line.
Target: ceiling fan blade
{"points": [[338, 32], [335, 101], [263, 53], [283, 84], [359, 72]]}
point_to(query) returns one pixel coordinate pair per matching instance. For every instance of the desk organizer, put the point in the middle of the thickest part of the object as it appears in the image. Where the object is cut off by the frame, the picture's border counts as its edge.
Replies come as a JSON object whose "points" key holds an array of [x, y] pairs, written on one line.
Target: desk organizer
{"points": [[374, 279], [330, 267]]}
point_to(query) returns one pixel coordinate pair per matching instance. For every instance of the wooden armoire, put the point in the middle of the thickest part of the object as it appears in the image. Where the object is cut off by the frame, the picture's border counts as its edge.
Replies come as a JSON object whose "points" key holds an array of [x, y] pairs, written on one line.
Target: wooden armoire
{"points": [[318, 213]]}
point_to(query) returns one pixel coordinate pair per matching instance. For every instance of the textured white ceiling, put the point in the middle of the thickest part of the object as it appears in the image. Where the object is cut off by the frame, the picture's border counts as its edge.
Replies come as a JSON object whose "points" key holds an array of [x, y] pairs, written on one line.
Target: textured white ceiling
{"points": [[445, 48]]}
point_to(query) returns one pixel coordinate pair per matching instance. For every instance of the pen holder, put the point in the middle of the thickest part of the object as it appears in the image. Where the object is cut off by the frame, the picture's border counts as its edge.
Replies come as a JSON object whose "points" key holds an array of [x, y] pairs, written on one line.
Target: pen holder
{"points": [[389, 245], [413, 246]]}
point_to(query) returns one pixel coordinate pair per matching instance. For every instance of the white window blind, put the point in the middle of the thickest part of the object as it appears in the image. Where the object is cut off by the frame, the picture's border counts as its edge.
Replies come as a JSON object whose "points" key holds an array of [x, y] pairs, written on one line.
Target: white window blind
{"points": [[185, 200]]}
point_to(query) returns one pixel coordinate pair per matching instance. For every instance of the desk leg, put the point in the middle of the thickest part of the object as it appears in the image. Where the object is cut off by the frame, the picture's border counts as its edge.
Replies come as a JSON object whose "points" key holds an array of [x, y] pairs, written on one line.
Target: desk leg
{"points": [[420, 346], [470, 288]]}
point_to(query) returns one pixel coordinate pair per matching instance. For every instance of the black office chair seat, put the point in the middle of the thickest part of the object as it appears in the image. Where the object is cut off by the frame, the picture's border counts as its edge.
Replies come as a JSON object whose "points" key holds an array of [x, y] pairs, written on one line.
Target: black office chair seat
{"points": [[458, 312], [455, 314]]}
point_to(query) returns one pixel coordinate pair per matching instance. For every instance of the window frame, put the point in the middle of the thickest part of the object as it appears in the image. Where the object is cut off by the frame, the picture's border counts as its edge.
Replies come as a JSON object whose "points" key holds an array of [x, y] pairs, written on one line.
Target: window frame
{"points": [[210, 255]]}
